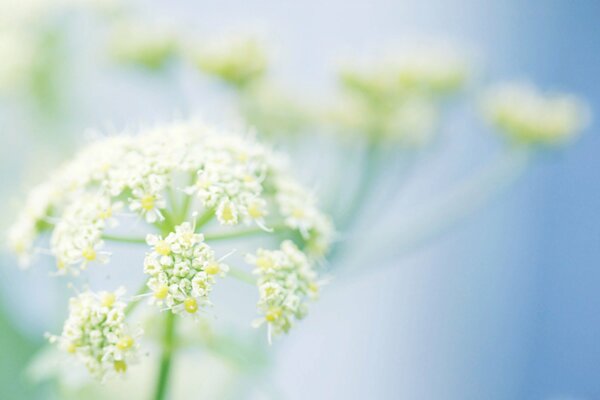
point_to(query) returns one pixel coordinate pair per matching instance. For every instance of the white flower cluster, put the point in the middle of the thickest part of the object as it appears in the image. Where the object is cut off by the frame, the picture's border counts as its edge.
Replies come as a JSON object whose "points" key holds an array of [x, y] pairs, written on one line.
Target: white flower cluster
{"points": [[96, 333], [526, 115], [77, 237], [237, 60], [398, 97], [182, 269], [232, 176], [298, 207], [286, 280], [231, 181]]}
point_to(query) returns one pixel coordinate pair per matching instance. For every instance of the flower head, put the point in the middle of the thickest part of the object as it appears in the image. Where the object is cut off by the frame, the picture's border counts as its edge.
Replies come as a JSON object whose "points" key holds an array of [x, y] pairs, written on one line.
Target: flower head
{"points": [[237, 60], [96, 333], [286, 279], [182, 270], [526, 115]]}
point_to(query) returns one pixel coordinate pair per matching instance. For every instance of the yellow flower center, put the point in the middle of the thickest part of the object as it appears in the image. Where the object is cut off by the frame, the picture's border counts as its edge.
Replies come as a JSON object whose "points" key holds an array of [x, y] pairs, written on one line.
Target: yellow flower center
{"points": [[227, 213], [161, 292], [108, 299], [273, 314], [105, 214], [147, 202], [212, 268], [162, 248], [255, 210], [125, 343], [191, 305], [89, 253], [298, 213], [71, 348], [264, 262]]}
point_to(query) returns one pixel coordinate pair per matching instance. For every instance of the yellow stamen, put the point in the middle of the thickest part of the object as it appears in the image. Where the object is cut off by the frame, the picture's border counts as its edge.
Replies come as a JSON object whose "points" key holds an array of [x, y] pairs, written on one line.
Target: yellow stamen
{"points": [[147, 202], [273, 314], [125, 343], [162, 248], [161, 292], [89, 253], [264, 262], [212, 268], [191, 305], [108, 299], [255, 210]]}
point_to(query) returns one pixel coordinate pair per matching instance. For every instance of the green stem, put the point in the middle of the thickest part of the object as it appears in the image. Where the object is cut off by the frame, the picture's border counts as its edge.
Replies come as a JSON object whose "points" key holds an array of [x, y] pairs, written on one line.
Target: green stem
{"points": [[133, 303], [436, 218], [122, 239], [242, 275], [367, 175], [205, 218], [236, 234], [363, 190], [168, 344]]}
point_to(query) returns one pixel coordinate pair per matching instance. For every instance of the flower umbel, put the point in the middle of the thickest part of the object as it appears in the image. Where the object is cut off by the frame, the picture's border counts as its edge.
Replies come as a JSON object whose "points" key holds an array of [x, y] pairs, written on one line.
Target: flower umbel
{"points": [[97, 334], [526, 115], [182, 270], [286, 279]]}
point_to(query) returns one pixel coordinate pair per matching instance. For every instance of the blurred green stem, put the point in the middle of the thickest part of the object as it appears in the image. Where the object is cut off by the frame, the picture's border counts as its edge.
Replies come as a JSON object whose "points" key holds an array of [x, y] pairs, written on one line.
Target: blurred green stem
{"points": [[242, 275], [468, 196], [368, 174], [168, 347]]}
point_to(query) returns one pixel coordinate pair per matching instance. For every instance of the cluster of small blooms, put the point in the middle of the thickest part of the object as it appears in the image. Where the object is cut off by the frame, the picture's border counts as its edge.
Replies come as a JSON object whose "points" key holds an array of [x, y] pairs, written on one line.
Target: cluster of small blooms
{"points": [[234, 177], [133, 42], [182, 269], [237, 60], [22, 234], [285, 280], [528, 116], [398, 98], [297, 206], [96, 333], [231, 180], [77, 237]]}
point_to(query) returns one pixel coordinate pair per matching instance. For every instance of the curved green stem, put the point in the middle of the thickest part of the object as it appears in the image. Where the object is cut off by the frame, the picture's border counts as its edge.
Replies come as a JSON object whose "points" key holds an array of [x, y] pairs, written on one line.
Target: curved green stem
{"points": [[168, 347], [134, 303], [205, 218], [242, 275], [237, 233], [468, 196], [123, 239], [363, 188]]}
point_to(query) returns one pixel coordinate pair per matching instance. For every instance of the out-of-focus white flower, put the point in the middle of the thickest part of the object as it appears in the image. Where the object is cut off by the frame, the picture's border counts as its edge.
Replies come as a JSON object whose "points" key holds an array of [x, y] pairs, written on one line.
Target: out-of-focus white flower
{"points": [[286, 280], [77, 237], [17, 52], [237, 60], [137, 43], [526, 115], [398, 98], [182, 270], [96, 333]]}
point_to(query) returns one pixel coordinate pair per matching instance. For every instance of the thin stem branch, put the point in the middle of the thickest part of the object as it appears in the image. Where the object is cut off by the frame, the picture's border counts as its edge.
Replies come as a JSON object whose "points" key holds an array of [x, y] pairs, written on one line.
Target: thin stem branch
{"points": [[242, 275], [205, 218], [168, 345], [435, 218], [136, 299], [123, 239], [235, 234]]}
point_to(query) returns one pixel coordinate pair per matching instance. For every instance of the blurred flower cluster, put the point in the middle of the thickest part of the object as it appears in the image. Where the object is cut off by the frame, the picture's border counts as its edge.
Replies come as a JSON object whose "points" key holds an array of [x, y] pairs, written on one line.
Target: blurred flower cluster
{"points": [[192, 195]]}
